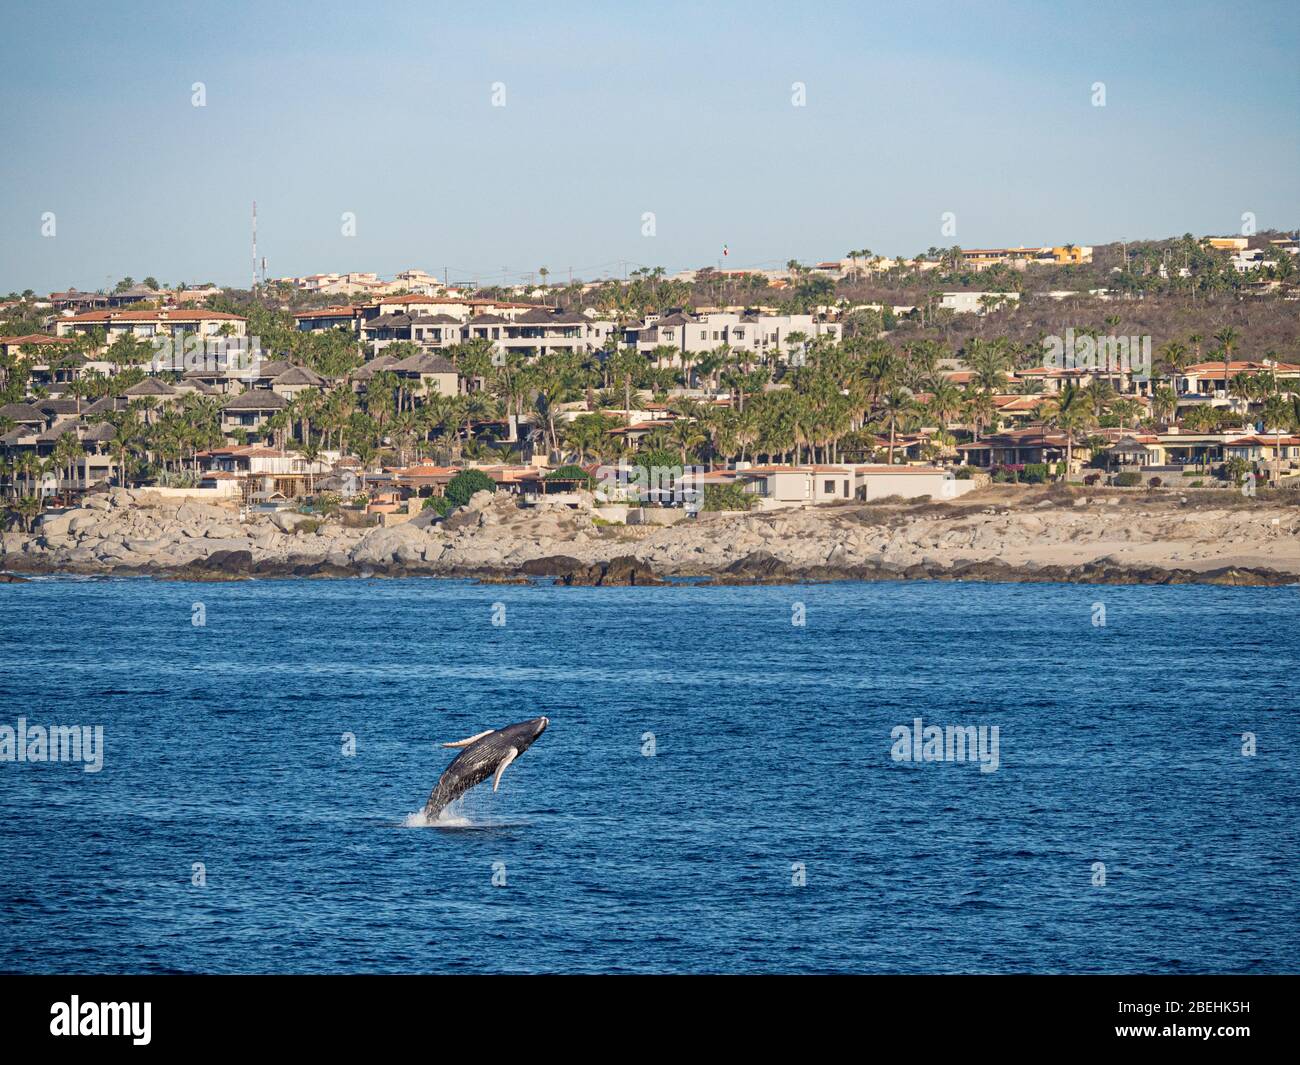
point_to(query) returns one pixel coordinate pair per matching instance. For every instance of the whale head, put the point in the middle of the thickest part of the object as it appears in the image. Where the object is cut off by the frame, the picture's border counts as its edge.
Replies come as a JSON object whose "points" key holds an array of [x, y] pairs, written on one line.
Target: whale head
{"points": [[521, 736]]}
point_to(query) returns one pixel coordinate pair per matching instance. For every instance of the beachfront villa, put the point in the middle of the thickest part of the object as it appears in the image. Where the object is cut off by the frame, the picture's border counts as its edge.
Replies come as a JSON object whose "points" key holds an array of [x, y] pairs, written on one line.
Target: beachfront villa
{"points": [[800, 486]]}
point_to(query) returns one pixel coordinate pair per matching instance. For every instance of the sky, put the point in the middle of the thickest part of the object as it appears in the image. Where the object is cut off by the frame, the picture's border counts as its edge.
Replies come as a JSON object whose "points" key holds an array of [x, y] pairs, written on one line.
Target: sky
{"points": [[631, 134]]}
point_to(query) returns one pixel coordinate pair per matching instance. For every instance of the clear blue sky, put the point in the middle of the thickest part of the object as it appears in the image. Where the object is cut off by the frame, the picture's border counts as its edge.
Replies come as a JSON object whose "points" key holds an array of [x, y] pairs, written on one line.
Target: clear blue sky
{"points": [[982, 109]]}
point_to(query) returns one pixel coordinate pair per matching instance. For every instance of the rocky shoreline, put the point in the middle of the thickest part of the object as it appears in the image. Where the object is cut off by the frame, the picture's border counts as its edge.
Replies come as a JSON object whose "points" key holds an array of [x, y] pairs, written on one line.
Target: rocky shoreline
{"points": [[1027, 537]]}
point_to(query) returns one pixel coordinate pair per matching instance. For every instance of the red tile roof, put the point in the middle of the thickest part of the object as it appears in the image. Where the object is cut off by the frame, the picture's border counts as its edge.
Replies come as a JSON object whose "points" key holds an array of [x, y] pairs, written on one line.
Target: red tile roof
{"points": [[1213, 366], [164, 315], [339, 311], [1265, 438], [36, 338]]}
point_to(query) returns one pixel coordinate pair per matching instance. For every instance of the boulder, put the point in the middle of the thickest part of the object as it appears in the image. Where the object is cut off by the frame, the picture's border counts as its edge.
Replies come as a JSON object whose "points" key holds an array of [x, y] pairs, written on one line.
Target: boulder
{"points": [[618, 572], [381, 545], [550, 566], [759, 565], [287, 521], [61, 524]]}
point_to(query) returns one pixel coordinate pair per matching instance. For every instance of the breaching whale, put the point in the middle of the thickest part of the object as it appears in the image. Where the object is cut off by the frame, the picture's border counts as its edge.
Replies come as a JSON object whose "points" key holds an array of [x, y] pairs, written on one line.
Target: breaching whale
{"points": [[483, 755]]}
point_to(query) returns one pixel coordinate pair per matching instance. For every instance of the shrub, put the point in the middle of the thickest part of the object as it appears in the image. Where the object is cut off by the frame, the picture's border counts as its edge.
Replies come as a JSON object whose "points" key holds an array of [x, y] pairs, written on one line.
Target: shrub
{"points": [[1091, 478], [1035, 472], [727, 497], [1236, 468], [1128, 479], [440, 504], [1197, 484], [328, 503], [1155, 482], [465, 484], [964, 473]]}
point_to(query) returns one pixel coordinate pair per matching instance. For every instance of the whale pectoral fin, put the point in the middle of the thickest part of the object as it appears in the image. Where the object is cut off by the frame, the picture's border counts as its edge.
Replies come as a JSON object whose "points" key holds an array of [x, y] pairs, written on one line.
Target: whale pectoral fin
{"points": [[467, 741], [511, 755]]}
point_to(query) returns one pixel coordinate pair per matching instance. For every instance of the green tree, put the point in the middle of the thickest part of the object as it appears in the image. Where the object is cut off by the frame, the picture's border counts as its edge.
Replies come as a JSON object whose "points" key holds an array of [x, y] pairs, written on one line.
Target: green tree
{"points": [[465, 484]]}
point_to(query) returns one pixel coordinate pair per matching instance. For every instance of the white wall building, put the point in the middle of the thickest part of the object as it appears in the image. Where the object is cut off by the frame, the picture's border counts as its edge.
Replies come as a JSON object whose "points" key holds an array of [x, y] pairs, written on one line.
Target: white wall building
{"points": [[763, 335], [976, 302]]}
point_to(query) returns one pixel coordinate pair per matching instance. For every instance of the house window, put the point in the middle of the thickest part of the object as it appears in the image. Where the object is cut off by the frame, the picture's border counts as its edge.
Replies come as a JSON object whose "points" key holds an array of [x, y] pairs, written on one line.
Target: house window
{"points": [[830, 488]]}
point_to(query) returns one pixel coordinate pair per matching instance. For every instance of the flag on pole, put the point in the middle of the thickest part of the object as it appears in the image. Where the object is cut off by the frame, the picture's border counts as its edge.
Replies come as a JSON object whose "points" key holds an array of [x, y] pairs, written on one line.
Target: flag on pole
{"points": [[724, 251]]}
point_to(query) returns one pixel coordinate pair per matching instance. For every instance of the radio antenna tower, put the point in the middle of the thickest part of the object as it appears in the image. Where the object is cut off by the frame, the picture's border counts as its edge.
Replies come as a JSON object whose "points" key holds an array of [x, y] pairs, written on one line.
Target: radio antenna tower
{"points": [[254, 245]]}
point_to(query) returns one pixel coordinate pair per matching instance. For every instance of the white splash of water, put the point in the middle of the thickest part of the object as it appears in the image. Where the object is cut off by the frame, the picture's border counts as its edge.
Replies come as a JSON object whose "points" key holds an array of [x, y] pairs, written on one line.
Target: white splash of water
{"points": [[448, 817]]}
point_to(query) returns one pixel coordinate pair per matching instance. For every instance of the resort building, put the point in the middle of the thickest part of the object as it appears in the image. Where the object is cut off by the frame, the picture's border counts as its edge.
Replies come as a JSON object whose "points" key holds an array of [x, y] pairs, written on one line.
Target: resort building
{"points": [[1176, 450], [251, 410], [261, 474], [1020, 258], [427, 375], [907, 482], [435, 322], [1207, 378], [1019, 448], [764, 336], [1265, 448], [778, 486], [170, 322]]}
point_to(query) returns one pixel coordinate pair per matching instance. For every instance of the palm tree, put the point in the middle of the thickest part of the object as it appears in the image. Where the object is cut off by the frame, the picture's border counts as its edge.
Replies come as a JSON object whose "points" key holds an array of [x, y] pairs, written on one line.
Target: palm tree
{"points": [[28, 508], [68, 450], [685, 435], [125, 434], [1069, 411], [27, 466], [979, 412], [1174, 357], [990, 363], [895, 405], [311, 452], [1126, 410], [1099, 394], [588, 434], [1227, 338], [1164, 403]]}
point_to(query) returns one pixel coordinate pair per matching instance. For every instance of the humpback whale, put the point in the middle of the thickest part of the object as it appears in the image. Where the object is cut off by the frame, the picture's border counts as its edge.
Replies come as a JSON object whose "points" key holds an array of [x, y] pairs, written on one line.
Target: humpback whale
{"points": [[482, 755]]}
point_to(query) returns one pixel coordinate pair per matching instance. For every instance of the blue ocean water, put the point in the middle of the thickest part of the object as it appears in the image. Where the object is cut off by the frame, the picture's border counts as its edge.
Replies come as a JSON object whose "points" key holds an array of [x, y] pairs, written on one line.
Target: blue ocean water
{"points": [[771, 830]]}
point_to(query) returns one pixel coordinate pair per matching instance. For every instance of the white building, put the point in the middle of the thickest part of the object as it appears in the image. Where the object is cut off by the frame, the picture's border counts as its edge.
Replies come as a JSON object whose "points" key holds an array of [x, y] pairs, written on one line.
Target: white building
{"points": [[762, 335], [976, 302]]}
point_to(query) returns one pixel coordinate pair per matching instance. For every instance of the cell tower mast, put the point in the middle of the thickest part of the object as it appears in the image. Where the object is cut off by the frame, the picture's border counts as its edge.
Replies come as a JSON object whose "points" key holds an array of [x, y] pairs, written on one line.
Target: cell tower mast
{"points": [[254, 245]]}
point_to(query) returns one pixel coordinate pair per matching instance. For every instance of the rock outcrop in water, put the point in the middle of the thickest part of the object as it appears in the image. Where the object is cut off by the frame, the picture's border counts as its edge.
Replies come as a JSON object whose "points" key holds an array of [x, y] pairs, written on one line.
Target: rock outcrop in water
{"points": [[993, 535]]}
